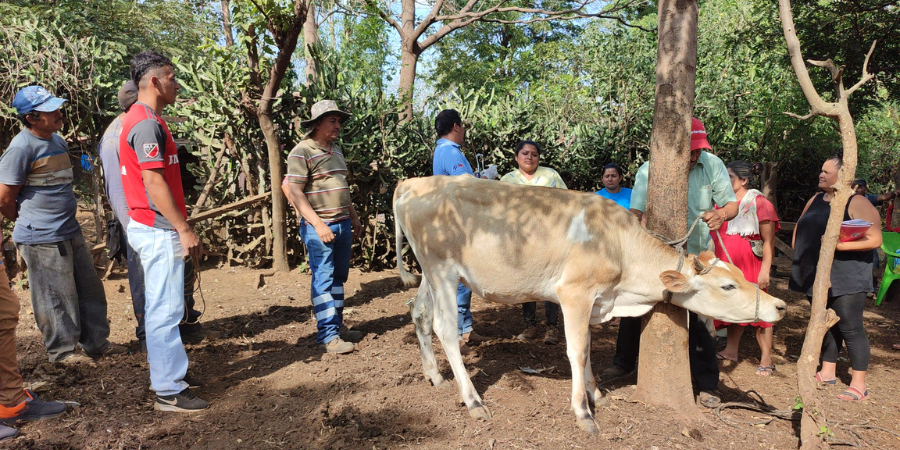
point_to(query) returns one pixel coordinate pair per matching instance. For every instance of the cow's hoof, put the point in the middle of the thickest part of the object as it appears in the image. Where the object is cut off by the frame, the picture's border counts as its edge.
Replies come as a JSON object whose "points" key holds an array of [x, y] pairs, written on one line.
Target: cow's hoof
{"points": [[588, 424], [480, 412], [601, 402], [440, 383]]}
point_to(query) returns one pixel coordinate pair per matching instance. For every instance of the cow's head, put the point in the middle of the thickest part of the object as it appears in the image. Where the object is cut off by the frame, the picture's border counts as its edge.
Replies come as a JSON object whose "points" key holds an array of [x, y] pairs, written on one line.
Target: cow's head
{"points": [[717, 289]]}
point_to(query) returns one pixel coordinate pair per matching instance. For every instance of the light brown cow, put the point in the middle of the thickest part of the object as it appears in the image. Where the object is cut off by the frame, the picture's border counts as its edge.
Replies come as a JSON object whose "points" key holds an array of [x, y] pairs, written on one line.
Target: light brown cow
{"points": [[513, 244]]}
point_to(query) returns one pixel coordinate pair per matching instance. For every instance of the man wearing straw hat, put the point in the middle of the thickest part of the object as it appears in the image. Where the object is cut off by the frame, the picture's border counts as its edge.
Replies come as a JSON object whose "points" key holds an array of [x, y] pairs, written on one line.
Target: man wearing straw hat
{"points": [[316, 185]]}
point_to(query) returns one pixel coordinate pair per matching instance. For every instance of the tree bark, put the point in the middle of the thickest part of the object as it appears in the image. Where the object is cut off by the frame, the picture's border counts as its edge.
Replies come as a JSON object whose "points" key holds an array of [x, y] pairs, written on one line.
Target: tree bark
{"points": [[310, 39], [409, 59], [664, 377], [820, 320], [226, 23]]}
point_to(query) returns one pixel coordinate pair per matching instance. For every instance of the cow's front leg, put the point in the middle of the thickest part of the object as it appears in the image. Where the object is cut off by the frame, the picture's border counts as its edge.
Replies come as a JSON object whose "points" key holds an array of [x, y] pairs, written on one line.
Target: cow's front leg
{"points": [[422, 312], [576, 315], [447, 329]]}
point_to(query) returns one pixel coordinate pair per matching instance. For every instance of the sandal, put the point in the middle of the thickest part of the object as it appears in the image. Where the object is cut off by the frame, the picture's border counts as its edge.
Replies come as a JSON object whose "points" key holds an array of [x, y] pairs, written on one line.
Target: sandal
{"points": [[853, 394], [765, 371], [722, 357], [709, 399], [824, 381], [896, 346]]}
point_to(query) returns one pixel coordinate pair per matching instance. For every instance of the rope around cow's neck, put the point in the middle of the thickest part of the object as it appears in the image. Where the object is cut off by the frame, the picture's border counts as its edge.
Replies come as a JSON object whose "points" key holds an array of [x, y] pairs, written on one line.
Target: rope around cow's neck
{"points": [[678, 244]]}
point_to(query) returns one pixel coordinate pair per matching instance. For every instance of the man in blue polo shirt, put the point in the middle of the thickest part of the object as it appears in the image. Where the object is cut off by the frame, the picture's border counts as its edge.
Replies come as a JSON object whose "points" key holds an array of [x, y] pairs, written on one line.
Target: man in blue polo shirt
{"points": [[449, 160]]}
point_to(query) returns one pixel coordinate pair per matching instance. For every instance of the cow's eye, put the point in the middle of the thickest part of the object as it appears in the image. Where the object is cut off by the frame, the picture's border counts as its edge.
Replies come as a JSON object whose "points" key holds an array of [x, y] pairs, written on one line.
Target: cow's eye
{"points": [[729, 287]]}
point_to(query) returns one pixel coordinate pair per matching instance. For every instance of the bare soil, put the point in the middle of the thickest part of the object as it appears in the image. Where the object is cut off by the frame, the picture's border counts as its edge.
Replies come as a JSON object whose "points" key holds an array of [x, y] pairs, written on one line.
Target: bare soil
{"points": [[271, 388]]}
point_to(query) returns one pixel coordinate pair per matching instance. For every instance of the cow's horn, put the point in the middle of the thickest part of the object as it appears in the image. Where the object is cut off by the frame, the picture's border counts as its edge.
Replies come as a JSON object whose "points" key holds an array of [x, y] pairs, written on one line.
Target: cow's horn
{"points": [[698, 266]]}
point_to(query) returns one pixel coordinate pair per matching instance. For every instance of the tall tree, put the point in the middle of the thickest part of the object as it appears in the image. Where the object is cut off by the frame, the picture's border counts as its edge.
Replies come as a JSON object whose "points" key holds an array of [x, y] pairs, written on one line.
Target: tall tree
{"points": [[820, 319], [664, 377], [281, 25], [415, 36]]}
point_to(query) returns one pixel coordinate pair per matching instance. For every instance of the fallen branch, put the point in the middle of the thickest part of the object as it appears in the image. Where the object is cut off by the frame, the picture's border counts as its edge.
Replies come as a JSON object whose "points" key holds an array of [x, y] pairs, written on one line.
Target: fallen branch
{"points": [[230, 207]]}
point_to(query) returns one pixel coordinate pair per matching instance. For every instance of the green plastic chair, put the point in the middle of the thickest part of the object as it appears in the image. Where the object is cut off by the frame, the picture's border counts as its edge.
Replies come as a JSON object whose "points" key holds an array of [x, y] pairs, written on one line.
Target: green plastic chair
{"points": [[890, 243]]}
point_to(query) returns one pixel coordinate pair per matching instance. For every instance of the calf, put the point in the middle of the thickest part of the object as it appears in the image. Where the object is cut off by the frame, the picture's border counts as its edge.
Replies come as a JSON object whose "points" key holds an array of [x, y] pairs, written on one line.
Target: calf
{"points": [[513, 244]]}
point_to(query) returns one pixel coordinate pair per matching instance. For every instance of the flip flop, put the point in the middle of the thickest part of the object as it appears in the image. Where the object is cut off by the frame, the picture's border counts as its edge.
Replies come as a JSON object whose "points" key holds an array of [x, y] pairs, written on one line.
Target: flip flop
{"points": [[824, 381], [765, 371], [896, 346], [722, 357], [853, 394]]}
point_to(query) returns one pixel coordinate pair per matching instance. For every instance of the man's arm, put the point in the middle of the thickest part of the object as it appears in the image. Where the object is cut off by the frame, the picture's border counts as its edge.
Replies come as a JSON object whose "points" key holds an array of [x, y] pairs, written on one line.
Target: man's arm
{"points": [[159, 193], [715, 218], [8, 206], [301, 204]]}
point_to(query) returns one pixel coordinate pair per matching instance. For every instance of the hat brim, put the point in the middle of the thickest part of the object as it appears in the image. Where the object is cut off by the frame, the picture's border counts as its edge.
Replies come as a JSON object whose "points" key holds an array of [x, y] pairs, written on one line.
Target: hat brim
{"points": [[50, 105], [699, 144], [310, 122]]}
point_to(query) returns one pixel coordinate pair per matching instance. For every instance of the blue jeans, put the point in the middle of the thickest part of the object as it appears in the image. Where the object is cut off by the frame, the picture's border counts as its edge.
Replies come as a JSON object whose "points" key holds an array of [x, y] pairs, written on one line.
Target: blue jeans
{"points": [[330, 266], [136, 283], [464, 308], [162, 258]]}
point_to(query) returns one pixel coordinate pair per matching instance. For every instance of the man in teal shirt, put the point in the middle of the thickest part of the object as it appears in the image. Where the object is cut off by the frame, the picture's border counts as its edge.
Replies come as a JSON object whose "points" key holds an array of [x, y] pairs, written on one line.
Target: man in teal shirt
{"points": [[708, 185]]}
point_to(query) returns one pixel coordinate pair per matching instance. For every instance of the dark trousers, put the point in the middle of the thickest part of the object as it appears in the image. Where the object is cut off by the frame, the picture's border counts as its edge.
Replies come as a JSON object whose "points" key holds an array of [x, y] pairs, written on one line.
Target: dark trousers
{"points": [[850, 329], [529, 312], [138, 300], [701, 350]]}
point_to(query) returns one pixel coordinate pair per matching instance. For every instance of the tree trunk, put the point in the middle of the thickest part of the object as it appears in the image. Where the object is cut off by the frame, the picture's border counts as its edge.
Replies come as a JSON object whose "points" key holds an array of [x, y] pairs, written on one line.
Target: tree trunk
{"points": [[820, 320], [279, 203], [310, 39], [408, 61], [226, 23], [768, 182], [664, 377]]}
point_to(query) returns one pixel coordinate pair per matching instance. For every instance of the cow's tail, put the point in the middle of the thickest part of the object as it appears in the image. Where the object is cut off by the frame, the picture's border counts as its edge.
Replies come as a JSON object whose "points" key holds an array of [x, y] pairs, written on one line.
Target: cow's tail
{"points": [[408, 279]]}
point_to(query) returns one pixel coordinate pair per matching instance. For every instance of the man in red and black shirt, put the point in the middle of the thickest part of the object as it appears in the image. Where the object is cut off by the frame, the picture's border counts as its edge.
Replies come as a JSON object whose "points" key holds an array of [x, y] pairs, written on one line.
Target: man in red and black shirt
{"points": [[158, 230]]}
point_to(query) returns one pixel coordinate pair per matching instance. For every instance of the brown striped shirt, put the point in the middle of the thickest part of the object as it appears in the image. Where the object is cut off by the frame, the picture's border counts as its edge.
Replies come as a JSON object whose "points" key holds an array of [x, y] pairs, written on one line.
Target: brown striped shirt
{"points": [[324, 176]]}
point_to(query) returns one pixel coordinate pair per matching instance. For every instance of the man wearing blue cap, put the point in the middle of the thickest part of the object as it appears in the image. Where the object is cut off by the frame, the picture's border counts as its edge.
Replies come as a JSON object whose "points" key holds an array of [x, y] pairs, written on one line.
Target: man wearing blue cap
{"points": [[36, 192]]}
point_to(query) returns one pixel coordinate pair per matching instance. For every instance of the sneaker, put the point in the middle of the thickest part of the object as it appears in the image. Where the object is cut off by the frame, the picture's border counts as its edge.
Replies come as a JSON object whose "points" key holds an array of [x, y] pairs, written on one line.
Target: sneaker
{"points": [[184, 401], [192, 381], [76, 359], [551, 337], [111, 350], [7, 432], [32, 408], [531, 333], [613, 372], [337, 345], [350, 335]]}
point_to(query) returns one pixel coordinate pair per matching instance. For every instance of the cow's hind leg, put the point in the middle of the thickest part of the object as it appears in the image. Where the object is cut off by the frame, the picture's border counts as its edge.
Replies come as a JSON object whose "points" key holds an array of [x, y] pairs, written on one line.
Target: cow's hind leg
{"points": [[422, 312], [595, 396], [576, 309], [447, 329]]}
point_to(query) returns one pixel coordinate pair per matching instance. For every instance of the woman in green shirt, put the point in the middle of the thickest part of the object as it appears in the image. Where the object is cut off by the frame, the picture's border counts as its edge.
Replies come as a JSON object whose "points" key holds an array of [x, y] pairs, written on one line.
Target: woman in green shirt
{"points": [[528, 154]]}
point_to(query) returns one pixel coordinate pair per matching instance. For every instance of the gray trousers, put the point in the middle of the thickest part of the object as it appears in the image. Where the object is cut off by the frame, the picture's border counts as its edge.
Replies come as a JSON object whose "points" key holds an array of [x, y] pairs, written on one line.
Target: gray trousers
{"points": [[67, 296]]}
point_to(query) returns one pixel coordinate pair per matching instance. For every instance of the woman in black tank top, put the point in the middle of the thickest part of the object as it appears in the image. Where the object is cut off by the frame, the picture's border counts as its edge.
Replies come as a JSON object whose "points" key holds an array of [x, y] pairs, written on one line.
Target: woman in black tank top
{"points": [[851, 278]]}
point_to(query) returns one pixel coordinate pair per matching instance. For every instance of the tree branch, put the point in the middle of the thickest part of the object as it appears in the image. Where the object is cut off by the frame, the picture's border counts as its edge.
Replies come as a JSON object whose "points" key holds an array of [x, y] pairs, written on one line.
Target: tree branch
{"points": [[866, 75], [799, 117], [817, 105], [386, 17], [828, 64]]}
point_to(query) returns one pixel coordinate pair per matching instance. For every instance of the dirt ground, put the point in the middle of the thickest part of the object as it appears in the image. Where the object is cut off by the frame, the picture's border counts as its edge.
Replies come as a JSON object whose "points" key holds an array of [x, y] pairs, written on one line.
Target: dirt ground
{"points": [[270, 387]]}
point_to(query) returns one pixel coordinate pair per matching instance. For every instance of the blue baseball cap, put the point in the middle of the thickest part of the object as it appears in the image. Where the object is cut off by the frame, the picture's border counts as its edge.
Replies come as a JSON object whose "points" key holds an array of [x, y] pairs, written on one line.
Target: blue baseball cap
{"points": [[36, 98]]}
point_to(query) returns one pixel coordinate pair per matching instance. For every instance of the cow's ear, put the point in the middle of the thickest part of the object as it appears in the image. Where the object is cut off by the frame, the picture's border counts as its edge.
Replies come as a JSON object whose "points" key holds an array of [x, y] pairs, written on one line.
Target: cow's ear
{"points": [[674, 281]]}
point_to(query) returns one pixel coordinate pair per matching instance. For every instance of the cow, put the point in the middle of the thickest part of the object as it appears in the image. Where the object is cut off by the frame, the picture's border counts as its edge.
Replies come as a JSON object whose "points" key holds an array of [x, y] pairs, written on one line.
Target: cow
{"points": [[513, 244]]}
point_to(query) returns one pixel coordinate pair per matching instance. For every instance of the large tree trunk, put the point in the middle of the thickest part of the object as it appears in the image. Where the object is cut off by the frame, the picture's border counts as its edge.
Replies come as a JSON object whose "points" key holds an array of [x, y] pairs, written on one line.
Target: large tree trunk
{"points": [[664, 377], [310, 39], [407, 81]]}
